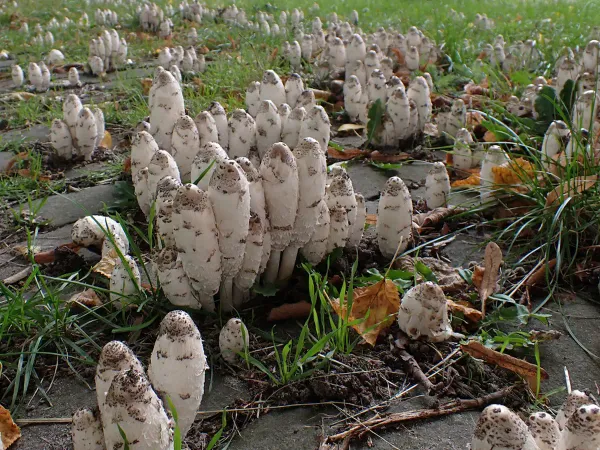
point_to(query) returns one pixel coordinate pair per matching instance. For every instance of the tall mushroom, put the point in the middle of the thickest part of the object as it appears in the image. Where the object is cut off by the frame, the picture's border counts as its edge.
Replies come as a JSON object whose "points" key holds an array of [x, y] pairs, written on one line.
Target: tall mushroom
{"points": [[161, 165], [544, 430], [316, 249], [394, 220], [582, 430], [230, 197], [242, 134], [143, 148], [178, 366], [312, 176], [268, 126], [86, 430], [173, 280], [197, 239], [185, 144], [317, 126], [206, 160], [218, 113], [437, 186], [574, 400], [165, 194], [125, 281], [279, 172], [271, 88], [290, 131], [166, 107], [233, 339]]}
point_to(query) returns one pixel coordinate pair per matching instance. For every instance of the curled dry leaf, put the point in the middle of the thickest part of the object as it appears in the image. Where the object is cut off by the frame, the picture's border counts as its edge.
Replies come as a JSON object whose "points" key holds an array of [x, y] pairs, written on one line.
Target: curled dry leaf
{"points": [[298, 310], [435, 216], [106, 265], [387, 158], [492, 262], [399, 55], [346, 154], [87, 298], [539, 276], [377, 304], [127, 165], [14, 160], [319, 94], [489, 136], [522, 368], [9, 430], [469, 313], [570, 188]]}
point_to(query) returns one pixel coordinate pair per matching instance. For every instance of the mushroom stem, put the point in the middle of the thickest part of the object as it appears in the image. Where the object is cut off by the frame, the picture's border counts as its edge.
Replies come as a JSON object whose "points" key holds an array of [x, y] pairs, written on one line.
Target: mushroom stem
{"points": [[226, 294], [288, 262], [272, 270], [240, 296]]}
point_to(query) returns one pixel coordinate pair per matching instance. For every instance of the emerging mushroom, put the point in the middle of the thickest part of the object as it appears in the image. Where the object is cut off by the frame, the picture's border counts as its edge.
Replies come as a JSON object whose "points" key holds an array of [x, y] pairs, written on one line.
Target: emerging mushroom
{"points": [[17, 75], [271, 88], [290, 131], [437, 186], [544, 430], [134, 406], [161, 165], [494, 156], [293, 88], [582, 430], [317, 126], [197, 239], [173, 280], [242, 134], [207, 158], [279, 172], [165, 194], [573, 401], [418, 91], [143, 148], [394, 221], [86, 133], [316, 249], [86, 430], [178, 366], [125, 281], [424, 313], [234, 338], [463, 156], [218, 113], [499, 428], [253, 98], [230, 197]]}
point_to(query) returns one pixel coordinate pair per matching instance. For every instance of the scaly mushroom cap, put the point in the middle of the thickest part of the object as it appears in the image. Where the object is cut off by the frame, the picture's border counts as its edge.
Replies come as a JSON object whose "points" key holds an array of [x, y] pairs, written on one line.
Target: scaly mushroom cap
{"points": [[584, 111], [143, 148], [271, 88], [166, 107], [339, 228], [71, 108], [412, 58], [306, 99], [61, 140], [316, 249], [234, 338], [178, 366], [394, 223], [493, 157], [122, 285], [253, 253], [437, 186], [424, 313], [197, 239], [291, 129], [293, 88], [220, 116], [544, 430], [114, 358], [582, 430], [242, 134], [140, 186], [279, 172], [165, 194], [173, 279], [398, 109], [253, 98], [92, 230], [185, 144], [208, 153], [316, 125], [17, 75], [499, 428], [135, 407], [376, 86], [100, 128], [207, 128], [340, 193], [161, 165], [268, 126], [356, 49], [358, 69], [86, 430], [418, 91], [86, 133], [284, 112], [573, 401], [463, 155]]}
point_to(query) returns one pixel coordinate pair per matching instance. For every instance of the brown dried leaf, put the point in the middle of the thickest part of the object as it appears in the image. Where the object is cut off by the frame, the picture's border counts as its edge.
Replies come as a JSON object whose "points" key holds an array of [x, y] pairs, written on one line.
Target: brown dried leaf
{"points": [[399, 55], [376, 304], [15, 159], [539, 276], [489, 136], [320, 94], [347, 154], [298, 310], [127, 165], [106, 140], [470, 313], [435, 216], [273, 54], [146, 85], [570, 188], [522, 368], [87, 298], [387, 158], [9, 430], [477, 277], [492, 262]]}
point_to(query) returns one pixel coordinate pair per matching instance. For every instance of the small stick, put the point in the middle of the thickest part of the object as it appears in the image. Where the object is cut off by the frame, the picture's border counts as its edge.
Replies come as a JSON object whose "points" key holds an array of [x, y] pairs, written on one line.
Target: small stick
{"points": [[379, 422], [43, 421], [411, 366]]}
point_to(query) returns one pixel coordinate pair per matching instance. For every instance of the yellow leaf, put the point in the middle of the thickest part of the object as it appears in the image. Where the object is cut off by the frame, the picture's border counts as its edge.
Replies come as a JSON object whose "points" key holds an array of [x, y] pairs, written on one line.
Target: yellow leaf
{"points": [[9, 430], [351, 127], [513, 172], [106, 140], [377, 305], [473, 180]]}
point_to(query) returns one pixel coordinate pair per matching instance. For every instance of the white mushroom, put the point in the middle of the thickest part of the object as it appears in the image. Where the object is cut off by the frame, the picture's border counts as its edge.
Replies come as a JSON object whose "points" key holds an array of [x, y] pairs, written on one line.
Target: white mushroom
{"points": [[233, 339], [293, 88], [316, 249], [134, 406], [418, 90], [356, 49], [55, 57], [100, 126], [411, 59], [218, 113], [61, 140], [143, 148], [268, 127], [271, 88], [17, 75], [125, 281], [45, 76], [317, 126], [437, 186], [245, 278], [394, 219], [86, 133], [358, 227], [574, 400], [279, 172], [207, 128], [493, 157], [376, 87], [462, 158], [165, 194], [86, 430], [230, 197], [585, 110], [290, 131], [242, 134], [500, 428], [339, 228], [173, 280], [544, 430], [185, 144], [161, 165], [96, 65], [178, 366], [582, 430], [352, 98], [166, 107], [295, 55], [253, 98], [398, 109], [71, 109], [197, 239], [207, 158]]}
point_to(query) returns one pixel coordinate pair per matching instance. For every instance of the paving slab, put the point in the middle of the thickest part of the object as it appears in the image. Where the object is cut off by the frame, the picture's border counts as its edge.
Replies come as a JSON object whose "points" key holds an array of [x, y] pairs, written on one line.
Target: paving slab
{"points": [[63, 209], [40, 133]]}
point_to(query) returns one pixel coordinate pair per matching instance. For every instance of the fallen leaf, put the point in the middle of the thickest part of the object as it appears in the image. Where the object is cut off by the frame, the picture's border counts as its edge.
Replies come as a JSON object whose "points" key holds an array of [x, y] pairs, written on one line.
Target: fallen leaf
{"points": [[492, 262], [298, 310], [351, 127], [435, 216], [49, 256], [513, 172], [539, 275], [399, 55], [522, 368], [234, 46], [127, 165], [449, 159], [87, 298], [273, 54], [371, 219], [477, 277], [388, 158], [489, 136], [472, 180], [25, 251], [570, 188], [348, 153], [146, 85], [106, 265], [377, 304], [320, 94], [106, 140], [470, 313], [14, 160], [9, 430], [448, 277]]}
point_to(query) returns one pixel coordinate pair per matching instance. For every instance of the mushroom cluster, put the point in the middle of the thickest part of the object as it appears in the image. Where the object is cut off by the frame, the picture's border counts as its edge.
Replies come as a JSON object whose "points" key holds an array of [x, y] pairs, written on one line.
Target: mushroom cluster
{"points": [[79, 133], [179, 60], [38, 74], [107, 52], [106, 17], [137, 403], [577, 425], [257, 192]]}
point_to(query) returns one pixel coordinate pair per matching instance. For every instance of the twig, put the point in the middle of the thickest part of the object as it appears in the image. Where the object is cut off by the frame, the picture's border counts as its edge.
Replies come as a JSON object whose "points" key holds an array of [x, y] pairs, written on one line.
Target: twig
{"points": [[43, 421], [412, 366], [379, 422]]}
